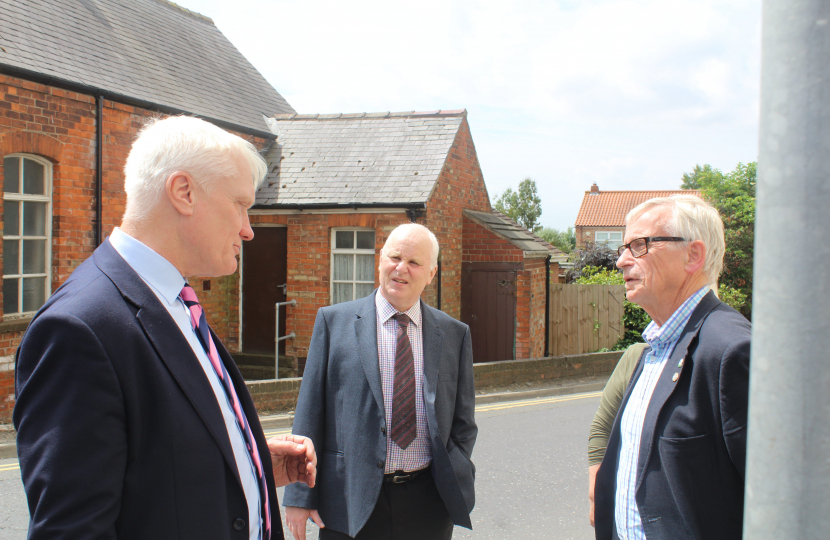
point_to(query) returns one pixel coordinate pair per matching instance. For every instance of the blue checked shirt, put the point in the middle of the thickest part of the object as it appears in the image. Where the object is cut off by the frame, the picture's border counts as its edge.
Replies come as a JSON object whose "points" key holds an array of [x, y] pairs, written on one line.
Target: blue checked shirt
{"points": [[662, 340], [419, 453]]}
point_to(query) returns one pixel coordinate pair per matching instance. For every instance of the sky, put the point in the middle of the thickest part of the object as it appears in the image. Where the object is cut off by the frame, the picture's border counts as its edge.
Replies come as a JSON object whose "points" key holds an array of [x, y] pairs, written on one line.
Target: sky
{"points": [[627, 94]]}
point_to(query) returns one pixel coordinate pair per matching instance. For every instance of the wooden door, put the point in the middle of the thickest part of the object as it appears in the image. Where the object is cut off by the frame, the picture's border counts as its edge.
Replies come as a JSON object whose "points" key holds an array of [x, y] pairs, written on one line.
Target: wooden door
{"points": [[488, 306], [263, 285]]}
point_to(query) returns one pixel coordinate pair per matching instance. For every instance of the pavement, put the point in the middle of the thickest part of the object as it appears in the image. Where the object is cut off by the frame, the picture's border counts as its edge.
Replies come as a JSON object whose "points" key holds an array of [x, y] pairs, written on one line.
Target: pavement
{"points": [[8, 448]]}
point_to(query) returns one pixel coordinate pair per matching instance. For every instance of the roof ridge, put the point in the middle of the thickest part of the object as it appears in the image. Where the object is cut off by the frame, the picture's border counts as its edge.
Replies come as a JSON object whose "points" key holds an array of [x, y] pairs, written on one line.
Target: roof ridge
{"points": [[186, 11], [642, 190], [378, 115]]}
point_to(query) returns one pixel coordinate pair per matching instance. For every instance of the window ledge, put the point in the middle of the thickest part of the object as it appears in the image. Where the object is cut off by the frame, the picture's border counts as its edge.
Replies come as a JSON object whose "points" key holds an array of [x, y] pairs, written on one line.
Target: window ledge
{"points": [[16, 325]]}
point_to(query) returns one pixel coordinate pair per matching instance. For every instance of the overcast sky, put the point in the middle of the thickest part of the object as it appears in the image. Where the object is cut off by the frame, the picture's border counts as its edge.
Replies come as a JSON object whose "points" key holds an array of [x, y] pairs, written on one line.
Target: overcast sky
{"points": [[629, 94]]}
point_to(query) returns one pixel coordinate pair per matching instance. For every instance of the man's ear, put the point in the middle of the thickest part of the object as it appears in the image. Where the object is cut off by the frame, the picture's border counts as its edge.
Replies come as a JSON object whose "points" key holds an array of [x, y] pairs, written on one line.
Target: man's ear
{"points": [[180, 190], [695, 257], [432, 274]]}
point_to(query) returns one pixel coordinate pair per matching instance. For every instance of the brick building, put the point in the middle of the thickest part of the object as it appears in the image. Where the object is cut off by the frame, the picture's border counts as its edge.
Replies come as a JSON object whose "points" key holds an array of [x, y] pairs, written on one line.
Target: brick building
{"points": [[78, 78], [338, 184], [601, 217]]}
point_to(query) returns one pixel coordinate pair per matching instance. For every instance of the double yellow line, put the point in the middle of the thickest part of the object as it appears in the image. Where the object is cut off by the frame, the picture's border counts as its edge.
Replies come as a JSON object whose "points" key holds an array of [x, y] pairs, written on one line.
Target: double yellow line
{"points": [[480, 408]]}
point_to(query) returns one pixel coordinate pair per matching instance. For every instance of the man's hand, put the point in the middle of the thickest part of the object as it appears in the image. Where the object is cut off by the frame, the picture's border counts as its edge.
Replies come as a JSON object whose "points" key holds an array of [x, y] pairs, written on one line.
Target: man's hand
{"points": [[296, 519], [293, 459], [592, 480]]}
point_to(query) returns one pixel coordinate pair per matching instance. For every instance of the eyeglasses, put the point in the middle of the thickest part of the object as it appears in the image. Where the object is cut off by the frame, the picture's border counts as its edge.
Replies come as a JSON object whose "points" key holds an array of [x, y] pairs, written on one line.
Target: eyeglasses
{"points": [[639, 246]]}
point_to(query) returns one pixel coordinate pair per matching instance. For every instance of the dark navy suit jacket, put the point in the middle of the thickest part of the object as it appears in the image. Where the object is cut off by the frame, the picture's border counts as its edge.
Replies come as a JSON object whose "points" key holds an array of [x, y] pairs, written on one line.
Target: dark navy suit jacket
{"points": [[341, 409], [119, 432], [690, 475]]}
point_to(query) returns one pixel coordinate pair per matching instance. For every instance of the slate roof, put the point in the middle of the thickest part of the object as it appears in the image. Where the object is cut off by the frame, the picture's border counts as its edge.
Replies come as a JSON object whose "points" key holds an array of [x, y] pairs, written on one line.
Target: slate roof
{"points": [[608, 208], [501, 225], [149, 50], [364, 158]]}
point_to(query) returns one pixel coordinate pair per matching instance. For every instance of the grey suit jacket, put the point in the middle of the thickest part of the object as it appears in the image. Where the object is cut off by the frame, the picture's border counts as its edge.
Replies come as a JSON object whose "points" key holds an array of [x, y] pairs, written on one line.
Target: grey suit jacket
{"points": [[341, 409]]}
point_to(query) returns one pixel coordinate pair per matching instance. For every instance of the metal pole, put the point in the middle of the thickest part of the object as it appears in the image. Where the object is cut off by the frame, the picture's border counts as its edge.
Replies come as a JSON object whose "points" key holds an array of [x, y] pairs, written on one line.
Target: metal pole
{"points": [[788, 470], [277, 337]]}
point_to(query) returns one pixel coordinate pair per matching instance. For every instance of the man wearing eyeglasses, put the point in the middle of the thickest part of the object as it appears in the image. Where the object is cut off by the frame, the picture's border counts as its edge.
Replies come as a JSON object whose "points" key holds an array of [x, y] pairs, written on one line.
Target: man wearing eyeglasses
{"points": [[674, 465]]}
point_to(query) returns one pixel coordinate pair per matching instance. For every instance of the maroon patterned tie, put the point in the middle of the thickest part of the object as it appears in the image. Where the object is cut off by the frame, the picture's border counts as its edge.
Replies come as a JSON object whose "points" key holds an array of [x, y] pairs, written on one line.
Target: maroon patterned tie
{"points": [[403, 397], [199, 323]]}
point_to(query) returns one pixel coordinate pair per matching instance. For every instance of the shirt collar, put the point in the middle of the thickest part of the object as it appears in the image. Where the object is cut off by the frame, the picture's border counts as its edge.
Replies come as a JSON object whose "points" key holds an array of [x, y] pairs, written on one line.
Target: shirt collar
{"points": [[387, 310], [154, 269], [671, 329]]}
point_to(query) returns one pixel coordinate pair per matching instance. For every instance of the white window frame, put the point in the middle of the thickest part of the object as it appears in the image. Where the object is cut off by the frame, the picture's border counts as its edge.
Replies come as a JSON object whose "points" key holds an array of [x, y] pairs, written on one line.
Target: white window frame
{"points": [[611, 243], [348, 251], [21, 197]]}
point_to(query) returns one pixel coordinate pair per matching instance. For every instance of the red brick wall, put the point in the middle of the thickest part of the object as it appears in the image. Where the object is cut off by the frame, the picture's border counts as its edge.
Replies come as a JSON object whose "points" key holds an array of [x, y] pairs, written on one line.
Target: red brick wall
{"points": [[460, 186], [60, 126], [536, 270], [482, 245], [309, 264]]}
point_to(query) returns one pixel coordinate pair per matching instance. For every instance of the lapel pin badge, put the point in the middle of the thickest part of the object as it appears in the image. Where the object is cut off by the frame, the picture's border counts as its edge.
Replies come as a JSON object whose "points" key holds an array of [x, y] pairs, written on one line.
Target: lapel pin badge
{"points": [[674, 377], [680, 364]]}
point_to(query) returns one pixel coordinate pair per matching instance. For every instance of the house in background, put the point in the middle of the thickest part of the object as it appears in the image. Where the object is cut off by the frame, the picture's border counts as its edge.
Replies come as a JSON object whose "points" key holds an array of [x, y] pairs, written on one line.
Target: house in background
{"points": [[78, 79], [601, 217], [338, 184]]}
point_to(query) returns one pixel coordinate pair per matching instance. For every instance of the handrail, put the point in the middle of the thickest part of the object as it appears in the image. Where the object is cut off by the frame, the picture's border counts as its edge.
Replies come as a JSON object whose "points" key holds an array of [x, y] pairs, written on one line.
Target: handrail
{"points": [[277, 337]]}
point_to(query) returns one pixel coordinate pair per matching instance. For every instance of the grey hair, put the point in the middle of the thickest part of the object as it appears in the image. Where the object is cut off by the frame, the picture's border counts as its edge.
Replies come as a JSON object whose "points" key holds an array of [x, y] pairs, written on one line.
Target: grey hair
{"points": [[693, 219], [187, 144], [417, 226]]}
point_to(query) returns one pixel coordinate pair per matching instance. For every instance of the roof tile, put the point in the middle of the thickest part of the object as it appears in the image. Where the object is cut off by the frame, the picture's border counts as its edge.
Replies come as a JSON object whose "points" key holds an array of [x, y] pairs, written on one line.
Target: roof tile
{"points": [[152, 50], [609, 208]]}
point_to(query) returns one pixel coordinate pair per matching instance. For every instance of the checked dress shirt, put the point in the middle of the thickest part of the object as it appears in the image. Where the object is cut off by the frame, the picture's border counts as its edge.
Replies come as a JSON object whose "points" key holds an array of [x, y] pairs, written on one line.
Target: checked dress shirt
{"points": [[419, 453], [662, 340]]}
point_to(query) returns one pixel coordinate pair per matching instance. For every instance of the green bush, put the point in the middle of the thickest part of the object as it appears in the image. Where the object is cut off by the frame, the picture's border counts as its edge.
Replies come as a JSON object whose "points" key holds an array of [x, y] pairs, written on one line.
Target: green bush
{"points": [[734, 298], [635, 318]]}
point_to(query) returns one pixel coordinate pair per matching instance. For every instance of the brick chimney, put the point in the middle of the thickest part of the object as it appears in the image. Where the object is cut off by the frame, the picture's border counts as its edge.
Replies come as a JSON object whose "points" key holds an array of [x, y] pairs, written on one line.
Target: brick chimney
{"points": [[595, 188]]}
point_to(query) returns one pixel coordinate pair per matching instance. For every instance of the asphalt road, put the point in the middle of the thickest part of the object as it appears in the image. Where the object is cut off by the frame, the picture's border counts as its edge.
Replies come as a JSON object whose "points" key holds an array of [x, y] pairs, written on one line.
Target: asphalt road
{"points": [[531, 473]]}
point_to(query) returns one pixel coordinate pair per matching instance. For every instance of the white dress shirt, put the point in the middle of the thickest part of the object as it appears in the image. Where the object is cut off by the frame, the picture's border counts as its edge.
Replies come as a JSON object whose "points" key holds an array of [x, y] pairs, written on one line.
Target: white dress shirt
{"points": [[166, 282]]}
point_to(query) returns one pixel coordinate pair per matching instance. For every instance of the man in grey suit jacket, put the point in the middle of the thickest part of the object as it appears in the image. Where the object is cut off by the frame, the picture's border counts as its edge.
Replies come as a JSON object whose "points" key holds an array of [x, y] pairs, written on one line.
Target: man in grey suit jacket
{"points": [[382, 475]]}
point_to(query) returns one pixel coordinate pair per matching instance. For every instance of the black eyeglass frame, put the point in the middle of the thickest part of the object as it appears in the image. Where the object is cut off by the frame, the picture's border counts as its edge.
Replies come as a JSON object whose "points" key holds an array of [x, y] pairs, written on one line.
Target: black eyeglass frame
{"points": [[647, 239]]}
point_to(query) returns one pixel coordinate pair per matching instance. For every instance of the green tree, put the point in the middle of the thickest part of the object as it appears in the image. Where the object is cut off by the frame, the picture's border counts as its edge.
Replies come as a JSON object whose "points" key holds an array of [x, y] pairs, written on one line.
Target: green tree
{"points": [[523, 206], [692, 180], [588, 256], [564, 240], [733, 194]]}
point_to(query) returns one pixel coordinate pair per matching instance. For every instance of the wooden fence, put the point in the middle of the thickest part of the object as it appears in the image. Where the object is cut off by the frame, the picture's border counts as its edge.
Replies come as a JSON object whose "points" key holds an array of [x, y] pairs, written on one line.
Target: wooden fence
{"points": [[585, 318]]}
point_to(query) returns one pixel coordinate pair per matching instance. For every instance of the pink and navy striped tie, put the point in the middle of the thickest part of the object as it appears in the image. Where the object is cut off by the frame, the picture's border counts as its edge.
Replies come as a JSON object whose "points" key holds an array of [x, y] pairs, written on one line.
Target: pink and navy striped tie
{"points": [[403, 394], [199, 322]]}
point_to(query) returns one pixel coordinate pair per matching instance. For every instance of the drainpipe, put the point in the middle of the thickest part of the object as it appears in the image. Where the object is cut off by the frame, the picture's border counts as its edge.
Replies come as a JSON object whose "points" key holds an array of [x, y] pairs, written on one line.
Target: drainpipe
{"points": [[438, 285], [787, 467], [99, 169], [547, 305]]}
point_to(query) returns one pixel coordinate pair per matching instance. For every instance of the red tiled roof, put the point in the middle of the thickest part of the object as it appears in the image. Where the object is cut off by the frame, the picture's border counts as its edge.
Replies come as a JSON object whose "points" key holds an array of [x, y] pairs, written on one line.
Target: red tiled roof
{"points": [[608, 208]]}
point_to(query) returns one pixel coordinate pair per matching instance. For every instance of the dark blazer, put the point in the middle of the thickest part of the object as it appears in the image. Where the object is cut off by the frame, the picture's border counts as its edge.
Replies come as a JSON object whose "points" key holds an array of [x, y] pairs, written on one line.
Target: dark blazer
{"points": [[690, 475], [119, 432], [341, 409]]}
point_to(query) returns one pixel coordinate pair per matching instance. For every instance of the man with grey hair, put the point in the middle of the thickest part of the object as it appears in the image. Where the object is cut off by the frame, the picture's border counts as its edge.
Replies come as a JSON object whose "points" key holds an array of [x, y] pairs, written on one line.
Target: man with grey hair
{"points": [[674, 465], [388, 397], [133, 421]]}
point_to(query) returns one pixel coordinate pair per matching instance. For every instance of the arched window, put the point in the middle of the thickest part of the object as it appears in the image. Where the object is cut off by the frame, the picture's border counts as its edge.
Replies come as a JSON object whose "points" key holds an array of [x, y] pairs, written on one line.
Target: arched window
{"points": [[27, 233]]}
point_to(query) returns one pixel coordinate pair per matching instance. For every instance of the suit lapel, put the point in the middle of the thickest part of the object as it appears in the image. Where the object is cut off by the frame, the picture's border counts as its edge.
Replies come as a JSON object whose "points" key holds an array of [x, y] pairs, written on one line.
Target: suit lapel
{"points": [[171, 346], [667, 382], [433, 339], [366, 333]]}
